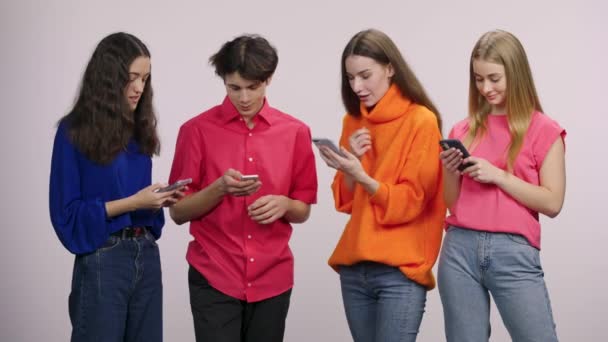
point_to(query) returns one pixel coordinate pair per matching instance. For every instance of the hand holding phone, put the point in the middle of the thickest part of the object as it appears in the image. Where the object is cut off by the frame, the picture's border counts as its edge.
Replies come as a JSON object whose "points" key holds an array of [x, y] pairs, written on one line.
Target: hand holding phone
{"points": [[175, 185], [328, 143], [446, 144]]}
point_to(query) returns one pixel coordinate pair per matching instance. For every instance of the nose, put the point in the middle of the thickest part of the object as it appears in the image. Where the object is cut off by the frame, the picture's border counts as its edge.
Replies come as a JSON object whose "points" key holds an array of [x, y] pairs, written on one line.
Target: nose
{"points": [[139, 85], [356, 84], [486, 87], [245, 96]]}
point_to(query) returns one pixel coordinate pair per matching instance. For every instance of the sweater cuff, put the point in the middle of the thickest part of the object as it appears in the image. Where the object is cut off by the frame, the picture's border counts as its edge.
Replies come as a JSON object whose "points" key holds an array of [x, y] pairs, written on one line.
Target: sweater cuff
{"points": [[380, 198]]}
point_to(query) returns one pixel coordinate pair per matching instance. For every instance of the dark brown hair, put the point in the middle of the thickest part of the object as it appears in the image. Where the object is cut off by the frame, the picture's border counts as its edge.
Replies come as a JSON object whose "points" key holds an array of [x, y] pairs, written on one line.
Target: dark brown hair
{"points": [[379, 47], [102, 123], [251, 56]]}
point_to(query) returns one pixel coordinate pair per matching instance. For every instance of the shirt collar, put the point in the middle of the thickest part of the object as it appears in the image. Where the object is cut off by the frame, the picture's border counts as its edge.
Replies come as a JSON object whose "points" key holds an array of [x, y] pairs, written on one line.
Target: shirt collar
{"points": [[229, 112]]}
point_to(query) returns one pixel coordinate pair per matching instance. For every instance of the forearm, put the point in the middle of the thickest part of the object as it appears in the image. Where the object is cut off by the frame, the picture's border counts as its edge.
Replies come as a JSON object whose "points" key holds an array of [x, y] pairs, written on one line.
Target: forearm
{"points": [[451, 187], [537, 198], [297, 211], [368, 183], [198, 204], [121, 206]]}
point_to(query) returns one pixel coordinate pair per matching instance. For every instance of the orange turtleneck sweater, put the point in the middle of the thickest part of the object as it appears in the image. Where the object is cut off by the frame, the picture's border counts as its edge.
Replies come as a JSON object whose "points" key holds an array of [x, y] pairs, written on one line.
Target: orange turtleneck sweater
{"points": [[402, 223]]}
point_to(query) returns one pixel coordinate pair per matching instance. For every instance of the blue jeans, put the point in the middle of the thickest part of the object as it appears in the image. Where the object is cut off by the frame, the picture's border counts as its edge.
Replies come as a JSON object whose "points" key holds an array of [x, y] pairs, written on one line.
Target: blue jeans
{"points": [[117, 292], [381, 303], [475, 264]]}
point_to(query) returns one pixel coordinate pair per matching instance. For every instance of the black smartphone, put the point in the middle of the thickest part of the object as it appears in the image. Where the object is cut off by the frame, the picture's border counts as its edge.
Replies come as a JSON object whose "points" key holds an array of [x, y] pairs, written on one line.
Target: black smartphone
{"points": [[446, 144], [175, 185], [329, 143]]}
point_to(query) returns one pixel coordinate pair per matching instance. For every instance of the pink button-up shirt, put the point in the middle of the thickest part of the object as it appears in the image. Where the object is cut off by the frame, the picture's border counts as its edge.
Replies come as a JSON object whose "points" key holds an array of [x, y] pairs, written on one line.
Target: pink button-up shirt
{"points": [[239, 257]]}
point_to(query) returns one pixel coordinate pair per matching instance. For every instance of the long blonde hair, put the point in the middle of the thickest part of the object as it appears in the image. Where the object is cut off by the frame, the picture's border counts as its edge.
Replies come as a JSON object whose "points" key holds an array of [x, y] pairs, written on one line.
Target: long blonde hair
{"points": [[503, 48]]}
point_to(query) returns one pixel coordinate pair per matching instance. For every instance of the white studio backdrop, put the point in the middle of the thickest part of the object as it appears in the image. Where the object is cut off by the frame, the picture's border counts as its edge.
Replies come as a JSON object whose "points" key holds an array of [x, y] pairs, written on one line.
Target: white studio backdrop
{"points": [[46, 44]]}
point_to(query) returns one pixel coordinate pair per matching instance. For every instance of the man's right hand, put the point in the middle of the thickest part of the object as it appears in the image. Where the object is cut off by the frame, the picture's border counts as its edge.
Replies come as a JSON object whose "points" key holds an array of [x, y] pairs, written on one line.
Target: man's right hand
{"points": [[231, 184]]}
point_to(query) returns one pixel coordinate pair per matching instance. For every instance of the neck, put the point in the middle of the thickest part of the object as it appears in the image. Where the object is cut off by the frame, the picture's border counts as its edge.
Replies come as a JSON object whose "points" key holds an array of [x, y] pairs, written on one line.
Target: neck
{"points": [[249, 121]]}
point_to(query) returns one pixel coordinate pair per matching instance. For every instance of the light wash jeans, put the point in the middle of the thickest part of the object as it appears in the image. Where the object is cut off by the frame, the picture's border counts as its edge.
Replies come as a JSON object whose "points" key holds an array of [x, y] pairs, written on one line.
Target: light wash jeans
{"points": [[381, 303], [475, 264]]}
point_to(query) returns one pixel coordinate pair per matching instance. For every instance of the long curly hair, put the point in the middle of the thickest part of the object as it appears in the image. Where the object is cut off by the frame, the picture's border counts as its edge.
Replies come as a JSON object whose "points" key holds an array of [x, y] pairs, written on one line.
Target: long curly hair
{"points": [[101, 123]]}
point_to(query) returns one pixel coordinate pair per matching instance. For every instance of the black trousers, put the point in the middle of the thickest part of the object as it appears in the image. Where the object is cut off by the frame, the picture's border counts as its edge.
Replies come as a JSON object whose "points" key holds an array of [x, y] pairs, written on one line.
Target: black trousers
{"points": [[221, 318]]}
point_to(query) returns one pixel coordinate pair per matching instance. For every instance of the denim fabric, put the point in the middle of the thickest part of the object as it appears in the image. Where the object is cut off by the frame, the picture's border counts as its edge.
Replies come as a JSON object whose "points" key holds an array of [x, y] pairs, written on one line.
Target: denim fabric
{"points": [[474, 265], [117, 292], [381, 303]]}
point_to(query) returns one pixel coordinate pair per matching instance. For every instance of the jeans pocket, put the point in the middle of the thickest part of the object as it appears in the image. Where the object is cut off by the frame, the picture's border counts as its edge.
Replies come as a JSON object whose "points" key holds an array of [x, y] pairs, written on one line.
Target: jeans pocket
{"points": [[529, 250], [110, 243], [518, 239]]}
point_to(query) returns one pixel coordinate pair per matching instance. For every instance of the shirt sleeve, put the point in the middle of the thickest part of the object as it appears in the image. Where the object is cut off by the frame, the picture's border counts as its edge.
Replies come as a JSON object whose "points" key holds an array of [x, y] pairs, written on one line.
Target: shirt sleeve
{"points": [[304, 173], [548, 132], [419, 180], [80, 223], [189, 150]]}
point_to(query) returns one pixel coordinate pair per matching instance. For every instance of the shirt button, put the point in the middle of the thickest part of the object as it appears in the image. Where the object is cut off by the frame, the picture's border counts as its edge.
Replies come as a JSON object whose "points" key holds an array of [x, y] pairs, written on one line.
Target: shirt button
{"points": [[249, 237], [250, 159], [248, 284], [250, 134], [252, 259]]}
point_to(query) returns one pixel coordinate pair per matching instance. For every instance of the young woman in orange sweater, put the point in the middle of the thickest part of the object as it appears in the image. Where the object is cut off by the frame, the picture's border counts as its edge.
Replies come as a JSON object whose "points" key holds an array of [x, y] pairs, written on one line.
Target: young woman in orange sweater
{"points": [[389, 181]]}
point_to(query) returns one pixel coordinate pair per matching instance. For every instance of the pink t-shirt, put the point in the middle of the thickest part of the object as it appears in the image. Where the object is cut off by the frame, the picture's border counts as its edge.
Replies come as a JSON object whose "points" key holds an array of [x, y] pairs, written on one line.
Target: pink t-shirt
{"points": [[488, 208]]}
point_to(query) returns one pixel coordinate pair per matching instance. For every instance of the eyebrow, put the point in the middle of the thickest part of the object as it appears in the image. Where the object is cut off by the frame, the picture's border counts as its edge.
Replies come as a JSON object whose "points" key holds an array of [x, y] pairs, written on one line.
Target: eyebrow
{"points": [[238, 86], [490, 75], [359, 73]]}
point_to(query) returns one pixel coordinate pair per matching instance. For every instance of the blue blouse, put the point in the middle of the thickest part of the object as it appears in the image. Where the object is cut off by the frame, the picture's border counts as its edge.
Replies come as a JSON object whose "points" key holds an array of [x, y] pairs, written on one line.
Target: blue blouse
{"points": [[79, 189]]}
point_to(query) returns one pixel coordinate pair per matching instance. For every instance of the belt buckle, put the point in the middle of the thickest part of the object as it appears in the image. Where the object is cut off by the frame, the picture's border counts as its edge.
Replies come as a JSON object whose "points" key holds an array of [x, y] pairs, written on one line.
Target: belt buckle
{"points": [[138, 231]]}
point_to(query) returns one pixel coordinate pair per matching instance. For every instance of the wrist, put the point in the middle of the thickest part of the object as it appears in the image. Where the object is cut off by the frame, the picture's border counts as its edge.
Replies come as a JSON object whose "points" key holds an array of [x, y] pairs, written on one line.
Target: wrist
{"points": [[501, 178], [219, 187], [132, 203]]}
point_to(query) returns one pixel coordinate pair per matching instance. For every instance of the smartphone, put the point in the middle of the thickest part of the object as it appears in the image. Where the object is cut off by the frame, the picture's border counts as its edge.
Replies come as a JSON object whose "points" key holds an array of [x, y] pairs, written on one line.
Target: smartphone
{"points": [[175, 185], [249, 177], [446, 144], [329, 143]]}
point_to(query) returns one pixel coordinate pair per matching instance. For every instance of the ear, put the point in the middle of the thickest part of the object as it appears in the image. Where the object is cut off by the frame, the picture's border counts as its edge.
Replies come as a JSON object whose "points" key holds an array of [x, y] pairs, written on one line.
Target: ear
{"points": [[390, 70], [268, 80]]}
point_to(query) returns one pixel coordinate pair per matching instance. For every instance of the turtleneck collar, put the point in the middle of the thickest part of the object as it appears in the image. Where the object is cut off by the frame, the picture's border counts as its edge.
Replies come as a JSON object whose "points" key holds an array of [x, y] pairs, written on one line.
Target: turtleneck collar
{"points": [[391, 106]]}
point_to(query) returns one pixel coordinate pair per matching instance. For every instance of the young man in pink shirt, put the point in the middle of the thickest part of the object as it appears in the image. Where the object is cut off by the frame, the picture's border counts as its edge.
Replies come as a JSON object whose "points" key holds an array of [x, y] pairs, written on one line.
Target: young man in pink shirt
{"points": [[241, 267]]}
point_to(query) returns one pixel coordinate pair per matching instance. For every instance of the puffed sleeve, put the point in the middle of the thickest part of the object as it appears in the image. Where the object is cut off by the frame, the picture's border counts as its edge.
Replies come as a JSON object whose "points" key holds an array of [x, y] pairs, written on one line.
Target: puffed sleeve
{"points": [[418, 182], [80, 223]]}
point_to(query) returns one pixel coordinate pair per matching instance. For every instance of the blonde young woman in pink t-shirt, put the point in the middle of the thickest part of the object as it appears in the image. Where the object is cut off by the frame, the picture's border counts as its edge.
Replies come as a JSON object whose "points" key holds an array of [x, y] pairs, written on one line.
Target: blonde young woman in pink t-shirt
{"points": [[518, 171]]}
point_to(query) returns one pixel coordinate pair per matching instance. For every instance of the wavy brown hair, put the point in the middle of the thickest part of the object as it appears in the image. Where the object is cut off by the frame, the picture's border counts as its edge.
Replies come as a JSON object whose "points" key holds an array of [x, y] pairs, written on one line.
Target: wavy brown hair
{"points": [[379, 47], [501, 47], [101, 123]]}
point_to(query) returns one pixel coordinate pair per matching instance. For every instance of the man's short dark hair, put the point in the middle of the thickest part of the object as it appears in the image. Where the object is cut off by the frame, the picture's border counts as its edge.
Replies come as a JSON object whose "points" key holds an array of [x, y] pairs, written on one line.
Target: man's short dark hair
{"points": [[251, 56]]}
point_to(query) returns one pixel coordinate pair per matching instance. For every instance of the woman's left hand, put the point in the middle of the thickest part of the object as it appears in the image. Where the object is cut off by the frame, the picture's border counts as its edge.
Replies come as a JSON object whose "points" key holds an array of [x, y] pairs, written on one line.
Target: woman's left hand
{"points": [[348, 163], [482, 170]]}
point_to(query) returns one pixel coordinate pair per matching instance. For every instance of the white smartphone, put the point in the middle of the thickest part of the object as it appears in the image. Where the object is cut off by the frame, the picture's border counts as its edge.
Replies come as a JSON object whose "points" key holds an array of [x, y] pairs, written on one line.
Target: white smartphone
{"points": [[249, 177], [329, 143], [175, 185]]}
